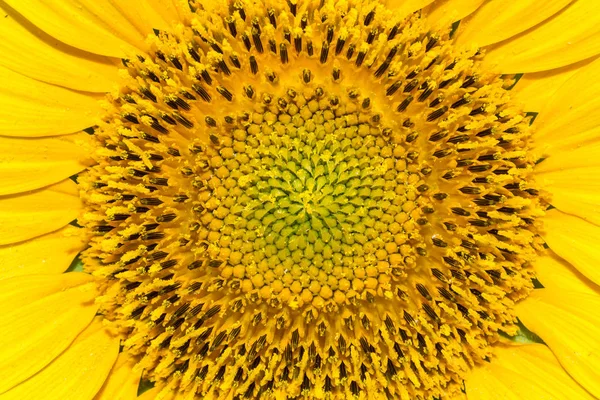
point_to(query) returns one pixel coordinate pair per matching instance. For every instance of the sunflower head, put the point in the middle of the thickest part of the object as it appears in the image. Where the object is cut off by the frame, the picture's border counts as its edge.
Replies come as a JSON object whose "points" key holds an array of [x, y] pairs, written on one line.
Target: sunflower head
{"points": [[313, 198]]}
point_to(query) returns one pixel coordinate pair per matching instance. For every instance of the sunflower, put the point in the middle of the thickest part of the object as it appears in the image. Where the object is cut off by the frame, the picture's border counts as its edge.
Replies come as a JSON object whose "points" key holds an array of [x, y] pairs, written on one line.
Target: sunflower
{"points": [[300, 199]]}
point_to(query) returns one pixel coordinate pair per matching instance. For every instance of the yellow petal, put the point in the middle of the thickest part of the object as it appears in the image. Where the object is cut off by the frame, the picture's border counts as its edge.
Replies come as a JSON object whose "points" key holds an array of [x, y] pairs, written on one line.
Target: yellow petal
{"points": [[557, 274], [152, 14], [575, 240], [573, 108], [122, 382], [570, 36], [77, 374], [96, 27], [155, 394], [534, 90], [47, 254], [569, 323], [32, 163], [448, 11], [32, 214], [405, 7], [520, 372], [35, 332], [28, 50], [575, 191], [498, 20], [32, 108]]}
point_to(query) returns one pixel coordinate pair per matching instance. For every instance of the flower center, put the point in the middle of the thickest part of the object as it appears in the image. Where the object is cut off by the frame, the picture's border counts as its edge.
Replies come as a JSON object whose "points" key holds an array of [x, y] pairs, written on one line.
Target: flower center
{"points": [[311, 199]]}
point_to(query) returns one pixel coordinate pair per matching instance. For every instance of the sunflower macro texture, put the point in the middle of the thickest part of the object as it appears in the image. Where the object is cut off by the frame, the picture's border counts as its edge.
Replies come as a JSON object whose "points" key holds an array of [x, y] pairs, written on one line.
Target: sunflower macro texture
{"points": [[299, 199]]}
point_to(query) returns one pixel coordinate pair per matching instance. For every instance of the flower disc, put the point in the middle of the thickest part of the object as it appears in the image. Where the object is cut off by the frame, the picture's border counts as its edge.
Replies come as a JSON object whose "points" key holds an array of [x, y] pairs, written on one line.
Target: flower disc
{"points": [[310, 200]]}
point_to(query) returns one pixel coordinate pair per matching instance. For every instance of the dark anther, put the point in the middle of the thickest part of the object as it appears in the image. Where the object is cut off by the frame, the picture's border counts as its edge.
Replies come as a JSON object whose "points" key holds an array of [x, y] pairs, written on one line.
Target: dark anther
{"points": [[405, 103], [484, 202], [131, 118], [216, 47], [249, 91], [438, 136], [272, 20], [339, 46], [487, 157], [460, 102], [151, 201], [194, 54], [432, 63], [309, 48], [439, 242], [234, 60], [423, 96], [204, 95], [451, 261], [470, 190], [215, 140], [350, 51], [411, 137], [293, 6], [256, 40], [423, 291], [431, 43], [224, 68], [324, 52], [166, 217], [366, 103], [176, 63], [507, 210], [440, 196], [479, 168], [437, 114], [458, 139], [153, 236], [360, 58], [442, 153], [148, 94], [283, 54], [423, 188], [477, 111], [447, 82], [256, 24], [460, 211], [153, 76], [369, 17], [393, 88], [306, 75], [159, 181], [210, 121], [411, 85], [231, 25], [103, 228], [413, 74], [336, 74], [371, 36], [253, 65], [408, 318], [436, 101], [382, 68], [183, 121], [271, 76], [469, 81], [393, 32], [225, 93], [246, 41], [329, 34]]}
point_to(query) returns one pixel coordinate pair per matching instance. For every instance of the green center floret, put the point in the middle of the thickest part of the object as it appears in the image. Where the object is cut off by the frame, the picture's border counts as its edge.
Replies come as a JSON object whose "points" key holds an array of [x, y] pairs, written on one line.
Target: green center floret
{"points": [[318, 205]]}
